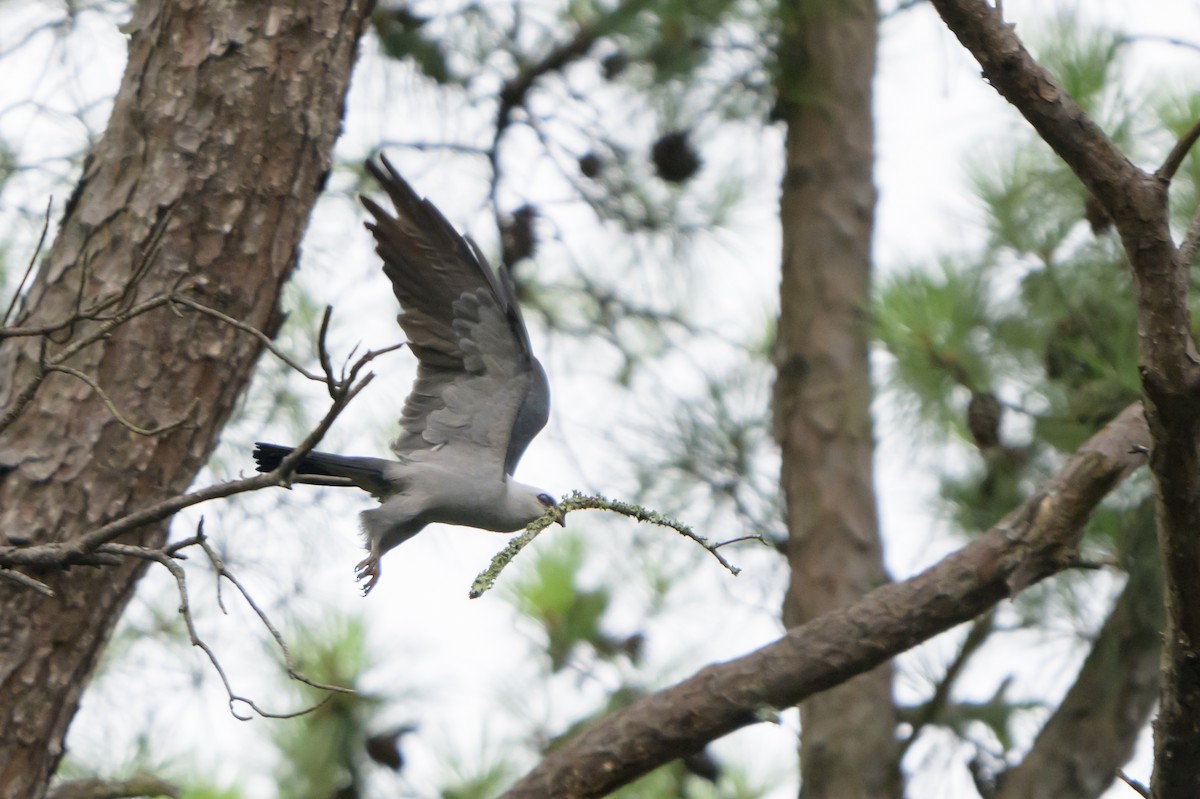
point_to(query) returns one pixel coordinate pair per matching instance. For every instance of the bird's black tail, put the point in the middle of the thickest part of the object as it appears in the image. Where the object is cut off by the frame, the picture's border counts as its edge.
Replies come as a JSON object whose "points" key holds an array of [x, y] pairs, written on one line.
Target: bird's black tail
{"points": [[366, 473]]}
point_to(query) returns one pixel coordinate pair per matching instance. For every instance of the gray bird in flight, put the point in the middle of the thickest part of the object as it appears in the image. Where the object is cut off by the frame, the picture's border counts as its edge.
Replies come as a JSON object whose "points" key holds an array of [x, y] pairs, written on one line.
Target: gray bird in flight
{"points": [[479, 398]]}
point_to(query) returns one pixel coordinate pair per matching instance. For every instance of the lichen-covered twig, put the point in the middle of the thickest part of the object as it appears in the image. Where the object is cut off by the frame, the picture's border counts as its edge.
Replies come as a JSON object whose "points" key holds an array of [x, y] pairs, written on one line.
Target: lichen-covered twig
{"points": [[579, 501]]}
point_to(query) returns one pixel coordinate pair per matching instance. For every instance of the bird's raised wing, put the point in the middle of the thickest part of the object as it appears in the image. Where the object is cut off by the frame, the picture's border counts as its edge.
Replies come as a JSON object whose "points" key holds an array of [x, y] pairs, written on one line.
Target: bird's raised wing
{"points": [[478, 385]]}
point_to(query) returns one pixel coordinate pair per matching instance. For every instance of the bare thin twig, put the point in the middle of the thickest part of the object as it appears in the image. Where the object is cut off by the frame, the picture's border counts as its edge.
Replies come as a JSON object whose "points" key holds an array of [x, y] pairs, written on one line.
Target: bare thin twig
{"points": [[120, 417], [253, 331], [1174, 41], [323, 350], [25, 581], [12, 304], [25, 395], [1141, 789], [171, 565], [1178, 153], [149, 252], [755, 537], [219, 567], [436, 146]]}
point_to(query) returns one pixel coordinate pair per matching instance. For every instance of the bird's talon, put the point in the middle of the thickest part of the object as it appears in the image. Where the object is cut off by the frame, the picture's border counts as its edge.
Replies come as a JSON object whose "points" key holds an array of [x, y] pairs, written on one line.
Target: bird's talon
{"points": [[367, 569]]}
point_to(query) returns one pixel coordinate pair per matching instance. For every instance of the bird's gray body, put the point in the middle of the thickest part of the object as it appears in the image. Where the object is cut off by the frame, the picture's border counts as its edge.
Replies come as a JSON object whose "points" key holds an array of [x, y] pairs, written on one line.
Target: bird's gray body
{"points": [[479, 398], [431, 492]]}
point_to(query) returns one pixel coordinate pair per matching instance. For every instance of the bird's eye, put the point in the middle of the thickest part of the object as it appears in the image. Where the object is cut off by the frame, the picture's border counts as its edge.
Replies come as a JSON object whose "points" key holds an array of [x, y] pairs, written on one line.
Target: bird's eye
{"points": [[546, 500]]}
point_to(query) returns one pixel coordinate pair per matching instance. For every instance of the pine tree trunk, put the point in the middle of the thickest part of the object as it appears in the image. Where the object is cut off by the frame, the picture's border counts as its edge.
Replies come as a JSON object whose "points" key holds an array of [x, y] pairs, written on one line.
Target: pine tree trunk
{"points": [[219, 142], [823, 391]]}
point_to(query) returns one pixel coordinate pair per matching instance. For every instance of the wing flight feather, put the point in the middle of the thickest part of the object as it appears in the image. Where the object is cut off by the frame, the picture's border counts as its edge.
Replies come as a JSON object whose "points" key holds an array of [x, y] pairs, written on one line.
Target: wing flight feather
{"points": [[478, 385]]}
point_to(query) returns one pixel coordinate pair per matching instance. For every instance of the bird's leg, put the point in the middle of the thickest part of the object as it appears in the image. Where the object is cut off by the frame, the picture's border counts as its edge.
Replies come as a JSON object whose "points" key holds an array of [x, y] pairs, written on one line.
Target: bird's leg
{"points": [[368, 569], [383, 531]]}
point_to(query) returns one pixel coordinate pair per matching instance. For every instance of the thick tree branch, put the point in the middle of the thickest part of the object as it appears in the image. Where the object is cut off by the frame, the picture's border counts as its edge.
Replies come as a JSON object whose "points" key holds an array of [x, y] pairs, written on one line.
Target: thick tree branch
{"points": [[1137, 204], [1037, 539], [1133, 199], [1097, 724], [1034, 92]]}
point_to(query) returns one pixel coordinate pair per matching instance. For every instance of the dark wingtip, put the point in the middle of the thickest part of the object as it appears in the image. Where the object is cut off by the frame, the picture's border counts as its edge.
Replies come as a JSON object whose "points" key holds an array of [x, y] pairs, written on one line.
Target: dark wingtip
{"points": [[405, 200], [372, 164], [375, 210], [389, 178], [372, 167]]}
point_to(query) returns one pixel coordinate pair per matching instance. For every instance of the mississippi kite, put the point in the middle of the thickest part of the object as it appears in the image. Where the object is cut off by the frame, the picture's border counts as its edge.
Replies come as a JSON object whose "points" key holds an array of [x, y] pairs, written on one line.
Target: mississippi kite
{"points": [[479, 398]]}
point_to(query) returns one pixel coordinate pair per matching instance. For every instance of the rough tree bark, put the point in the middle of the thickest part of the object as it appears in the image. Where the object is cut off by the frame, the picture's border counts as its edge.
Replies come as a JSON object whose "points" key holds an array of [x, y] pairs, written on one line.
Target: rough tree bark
{"points": [[823, 390], [219, 142]]}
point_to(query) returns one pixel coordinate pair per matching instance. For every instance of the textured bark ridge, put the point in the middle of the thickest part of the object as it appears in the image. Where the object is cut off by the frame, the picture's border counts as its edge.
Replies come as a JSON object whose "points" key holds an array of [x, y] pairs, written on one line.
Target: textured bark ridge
{"points": [[823, 391], [219, 142]]}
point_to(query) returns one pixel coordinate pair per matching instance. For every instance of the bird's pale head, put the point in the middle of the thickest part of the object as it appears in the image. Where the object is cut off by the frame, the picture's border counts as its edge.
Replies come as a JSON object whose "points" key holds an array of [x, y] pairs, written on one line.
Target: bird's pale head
{"points": [[529, 502]]}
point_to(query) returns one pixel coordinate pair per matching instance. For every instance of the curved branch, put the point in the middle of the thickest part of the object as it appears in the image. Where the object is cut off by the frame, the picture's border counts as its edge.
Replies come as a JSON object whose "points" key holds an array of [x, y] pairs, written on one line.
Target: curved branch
{"points": [[1135, 200], [1137, 204], [116, 412], [1035, 93], [1034, 541]]}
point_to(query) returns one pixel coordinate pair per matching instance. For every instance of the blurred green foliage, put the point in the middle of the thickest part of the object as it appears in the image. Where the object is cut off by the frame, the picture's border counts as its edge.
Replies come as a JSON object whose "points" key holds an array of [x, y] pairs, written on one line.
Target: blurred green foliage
{"points": [[1042, 317], [324, 751]]}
